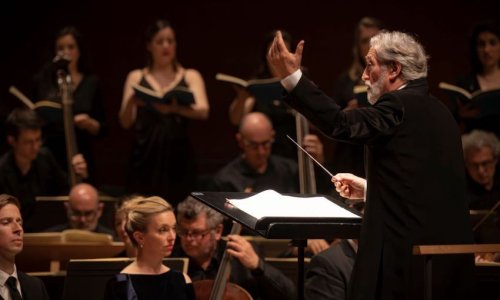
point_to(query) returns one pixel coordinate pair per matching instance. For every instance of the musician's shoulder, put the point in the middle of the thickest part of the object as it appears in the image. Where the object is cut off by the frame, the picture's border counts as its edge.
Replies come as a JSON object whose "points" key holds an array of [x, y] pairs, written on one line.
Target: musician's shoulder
{"points": [[45, 155], [135, 75]]}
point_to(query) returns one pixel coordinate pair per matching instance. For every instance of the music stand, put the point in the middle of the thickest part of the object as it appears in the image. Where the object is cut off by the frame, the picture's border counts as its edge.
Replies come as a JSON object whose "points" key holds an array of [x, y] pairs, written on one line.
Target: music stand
{"points": [[54, 256], [297, 228]]}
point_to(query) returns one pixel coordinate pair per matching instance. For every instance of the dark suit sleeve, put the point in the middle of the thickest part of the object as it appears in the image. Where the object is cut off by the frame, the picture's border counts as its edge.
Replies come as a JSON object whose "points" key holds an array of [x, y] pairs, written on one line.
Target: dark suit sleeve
{"points": [[43, 291], [360, 126], [32, 288], [323, 280], [273, 284]]}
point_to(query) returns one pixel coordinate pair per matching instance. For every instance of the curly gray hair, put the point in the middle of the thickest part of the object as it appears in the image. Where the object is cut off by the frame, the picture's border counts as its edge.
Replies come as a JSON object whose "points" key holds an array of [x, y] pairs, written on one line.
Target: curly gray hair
{"points": [[395, 46], [478, 139], [190, 209]]}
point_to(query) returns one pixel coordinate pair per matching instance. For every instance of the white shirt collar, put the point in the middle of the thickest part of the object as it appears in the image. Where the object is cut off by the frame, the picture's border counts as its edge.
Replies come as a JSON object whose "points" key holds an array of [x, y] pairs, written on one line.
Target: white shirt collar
{"points": [[4, 276], [403, 86]]}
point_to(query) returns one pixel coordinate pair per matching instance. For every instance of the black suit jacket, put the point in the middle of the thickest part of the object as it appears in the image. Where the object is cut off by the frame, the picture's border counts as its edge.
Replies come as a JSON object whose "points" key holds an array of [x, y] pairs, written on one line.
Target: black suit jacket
{"points": [[32, 288], [329, 272], [416, 183]]}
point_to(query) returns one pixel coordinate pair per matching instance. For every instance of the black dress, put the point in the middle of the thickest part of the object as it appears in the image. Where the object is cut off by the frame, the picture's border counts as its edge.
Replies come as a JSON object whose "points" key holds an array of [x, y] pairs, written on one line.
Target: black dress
{"points": [[163, 159], [87, 99], [168, 285], [489, 123]]}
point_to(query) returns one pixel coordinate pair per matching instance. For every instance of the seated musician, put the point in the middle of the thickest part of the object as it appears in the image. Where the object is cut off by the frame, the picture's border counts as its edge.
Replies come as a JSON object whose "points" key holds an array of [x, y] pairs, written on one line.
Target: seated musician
{"points": [[15, 284], [200, 232], [256, 169], [151, 226], [481, 151], [83, 210], [329, 271], [27, 170]]}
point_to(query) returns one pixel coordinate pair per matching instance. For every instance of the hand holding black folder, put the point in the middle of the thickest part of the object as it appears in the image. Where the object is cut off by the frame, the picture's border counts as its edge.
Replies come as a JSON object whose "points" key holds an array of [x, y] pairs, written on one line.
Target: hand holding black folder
{"points": [[180, 95]]}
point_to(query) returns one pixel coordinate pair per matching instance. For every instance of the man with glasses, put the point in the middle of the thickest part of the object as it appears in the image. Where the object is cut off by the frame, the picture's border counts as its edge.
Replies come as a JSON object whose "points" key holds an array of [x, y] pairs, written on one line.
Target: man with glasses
{"points": [[481, 150], [200, 231], [83, 210], [256, 169]]}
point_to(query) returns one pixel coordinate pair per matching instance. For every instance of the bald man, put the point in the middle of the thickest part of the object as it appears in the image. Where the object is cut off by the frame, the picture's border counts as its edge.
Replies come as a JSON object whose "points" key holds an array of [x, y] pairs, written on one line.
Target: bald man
{"points": [[83, 210], [256, 169]]}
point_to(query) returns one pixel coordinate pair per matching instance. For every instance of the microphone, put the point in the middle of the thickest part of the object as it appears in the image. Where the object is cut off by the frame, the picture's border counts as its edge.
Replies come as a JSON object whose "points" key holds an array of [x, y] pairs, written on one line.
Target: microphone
{"points": [[61, 62]]}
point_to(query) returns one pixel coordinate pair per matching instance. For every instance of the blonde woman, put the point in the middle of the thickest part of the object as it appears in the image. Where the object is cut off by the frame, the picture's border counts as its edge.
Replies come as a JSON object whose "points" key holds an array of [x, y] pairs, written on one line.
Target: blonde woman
{"points": [[151, 227]]}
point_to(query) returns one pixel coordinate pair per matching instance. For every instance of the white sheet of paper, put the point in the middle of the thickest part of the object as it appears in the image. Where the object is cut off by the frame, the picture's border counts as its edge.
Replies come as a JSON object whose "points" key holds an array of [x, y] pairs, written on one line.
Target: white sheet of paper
{"points": [[270, 203]]}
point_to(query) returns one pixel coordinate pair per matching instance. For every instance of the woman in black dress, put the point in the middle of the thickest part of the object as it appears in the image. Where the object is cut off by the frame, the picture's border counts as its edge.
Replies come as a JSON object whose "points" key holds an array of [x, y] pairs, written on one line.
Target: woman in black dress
{"points": [[163, 158], [88, 108], [151, 227], [484, 48]]}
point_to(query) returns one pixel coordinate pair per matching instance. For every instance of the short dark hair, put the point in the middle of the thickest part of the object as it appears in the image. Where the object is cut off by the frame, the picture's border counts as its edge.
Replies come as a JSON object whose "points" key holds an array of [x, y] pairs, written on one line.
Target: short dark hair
{"points": [[8, 199], [21, 119]]}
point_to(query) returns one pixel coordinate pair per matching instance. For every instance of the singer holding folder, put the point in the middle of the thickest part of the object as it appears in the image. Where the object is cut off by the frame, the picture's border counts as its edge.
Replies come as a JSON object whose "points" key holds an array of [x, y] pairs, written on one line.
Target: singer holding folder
{"points": [[88, 101], [415, 168]]}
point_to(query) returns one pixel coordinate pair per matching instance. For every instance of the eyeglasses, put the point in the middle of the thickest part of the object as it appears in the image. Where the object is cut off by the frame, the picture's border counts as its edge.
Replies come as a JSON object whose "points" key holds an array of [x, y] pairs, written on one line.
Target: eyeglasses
{"points": [[195, 234], [76, 214], [255, 145], [487, 164]]}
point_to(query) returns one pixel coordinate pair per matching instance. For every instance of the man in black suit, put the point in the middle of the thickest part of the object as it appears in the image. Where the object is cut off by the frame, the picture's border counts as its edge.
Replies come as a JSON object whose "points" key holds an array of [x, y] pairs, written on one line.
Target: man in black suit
{"points": [[14, 284], [329, 272], [414, 162]]}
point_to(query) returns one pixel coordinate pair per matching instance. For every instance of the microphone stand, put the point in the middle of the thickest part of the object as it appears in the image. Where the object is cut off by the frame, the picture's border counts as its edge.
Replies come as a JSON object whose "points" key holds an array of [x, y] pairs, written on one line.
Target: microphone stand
{"points": [[65, 88]]}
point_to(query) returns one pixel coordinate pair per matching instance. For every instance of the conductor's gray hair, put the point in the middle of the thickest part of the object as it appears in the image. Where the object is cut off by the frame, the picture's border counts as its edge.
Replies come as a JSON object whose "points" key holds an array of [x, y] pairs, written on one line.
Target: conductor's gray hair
{"points": [[478, 139], [395, 46], [190, 209]]}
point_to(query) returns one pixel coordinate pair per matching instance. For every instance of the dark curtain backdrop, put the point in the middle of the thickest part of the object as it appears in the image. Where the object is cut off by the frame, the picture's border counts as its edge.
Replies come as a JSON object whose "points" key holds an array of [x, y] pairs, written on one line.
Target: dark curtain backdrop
{"points": [[218, 36]]}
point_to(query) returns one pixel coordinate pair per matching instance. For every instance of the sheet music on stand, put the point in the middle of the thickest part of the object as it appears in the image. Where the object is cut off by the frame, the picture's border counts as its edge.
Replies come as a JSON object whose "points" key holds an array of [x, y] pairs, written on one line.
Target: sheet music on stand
{"points": [[272, 204], [297, 217], [291, 216]]}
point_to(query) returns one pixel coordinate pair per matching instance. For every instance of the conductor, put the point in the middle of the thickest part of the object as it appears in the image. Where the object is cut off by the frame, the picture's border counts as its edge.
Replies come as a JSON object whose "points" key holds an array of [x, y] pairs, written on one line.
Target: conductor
{"points": [[415, 169]]}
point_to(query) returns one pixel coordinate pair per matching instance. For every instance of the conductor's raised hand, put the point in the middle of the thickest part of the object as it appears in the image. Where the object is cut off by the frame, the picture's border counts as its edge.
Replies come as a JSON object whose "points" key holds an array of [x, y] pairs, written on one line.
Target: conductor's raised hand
{"points": [[281, 60], [349, 186]]}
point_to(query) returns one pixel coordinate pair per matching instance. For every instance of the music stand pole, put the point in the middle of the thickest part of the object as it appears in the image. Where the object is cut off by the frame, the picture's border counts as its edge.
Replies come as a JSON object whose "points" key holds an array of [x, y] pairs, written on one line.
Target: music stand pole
{"points": [[301, 245]]}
